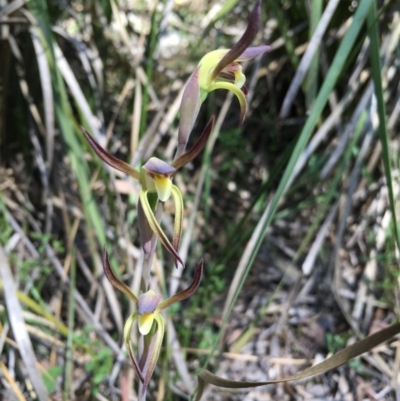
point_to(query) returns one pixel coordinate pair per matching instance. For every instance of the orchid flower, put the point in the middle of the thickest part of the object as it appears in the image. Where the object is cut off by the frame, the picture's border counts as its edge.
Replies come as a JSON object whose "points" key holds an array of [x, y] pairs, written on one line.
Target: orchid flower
{"points": [[149, 319], [219, 69], [155, 177]]}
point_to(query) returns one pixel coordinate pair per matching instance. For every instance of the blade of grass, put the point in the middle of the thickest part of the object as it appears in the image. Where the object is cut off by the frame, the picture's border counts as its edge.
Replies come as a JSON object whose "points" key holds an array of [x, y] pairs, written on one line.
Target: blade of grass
{"points": [[308, 57], [136, 117], [276, 9], [311, 81], [67, 390], [382, 128], [9, 378], [151, 47], [19, 329], [45, 81]]}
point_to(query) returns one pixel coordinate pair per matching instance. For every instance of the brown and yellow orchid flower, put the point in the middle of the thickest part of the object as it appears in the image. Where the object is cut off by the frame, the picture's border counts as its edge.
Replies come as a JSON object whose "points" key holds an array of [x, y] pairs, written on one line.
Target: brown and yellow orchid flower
{"points": [[149, 319], [220, 69], [155, 177]]}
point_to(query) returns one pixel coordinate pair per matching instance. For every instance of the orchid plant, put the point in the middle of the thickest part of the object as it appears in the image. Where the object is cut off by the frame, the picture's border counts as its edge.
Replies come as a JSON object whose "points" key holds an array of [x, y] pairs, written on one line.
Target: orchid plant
{"points": [[155, 178], [149, 308], [219, 69]]}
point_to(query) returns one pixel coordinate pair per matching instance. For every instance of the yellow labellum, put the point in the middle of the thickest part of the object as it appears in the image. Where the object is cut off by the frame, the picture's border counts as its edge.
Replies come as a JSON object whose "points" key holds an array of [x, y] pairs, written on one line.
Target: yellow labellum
{"points": [[163, 186], [145, 322]]}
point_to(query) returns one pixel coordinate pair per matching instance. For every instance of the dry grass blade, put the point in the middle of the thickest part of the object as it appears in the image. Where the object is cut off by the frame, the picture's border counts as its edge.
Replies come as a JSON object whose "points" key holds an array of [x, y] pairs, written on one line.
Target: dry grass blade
{"points": [[24, 85], [352, 185], [19, 329], [309, 261], [88, 61], [76, 90], [51, 254], [11, 382], [136, 115], [348, 131], [308, 57], [47, 91], [333, 362]]}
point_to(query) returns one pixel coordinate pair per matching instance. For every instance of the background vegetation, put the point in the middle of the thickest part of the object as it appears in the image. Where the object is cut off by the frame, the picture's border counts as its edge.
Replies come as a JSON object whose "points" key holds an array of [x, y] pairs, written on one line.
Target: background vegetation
{"points": [[294, 211]]}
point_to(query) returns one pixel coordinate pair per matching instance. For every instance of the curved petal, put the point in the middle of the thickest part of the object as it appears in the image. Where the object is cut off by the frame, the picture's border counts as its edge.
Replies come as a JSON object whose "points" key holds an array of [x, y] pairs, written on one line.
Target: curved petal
{"points": [[243, 43], [239, 94], [144, 230], [252, 52], [207, 65], [189, 110], [156, 227], [196, 148], [178, 216], [180, 296], [110, 159], [112, 278], [127, 340], [154, 352]]}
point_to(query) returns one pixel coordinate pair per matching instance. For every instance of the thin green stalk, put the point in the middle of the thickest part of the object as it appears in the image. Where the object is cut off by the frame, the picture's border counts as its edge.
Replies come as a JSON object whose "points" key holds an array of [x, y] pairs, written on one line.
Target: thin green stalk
{"points": [[382, 129], [311, 80], [155, 20], [276, 9], [67, 395]]}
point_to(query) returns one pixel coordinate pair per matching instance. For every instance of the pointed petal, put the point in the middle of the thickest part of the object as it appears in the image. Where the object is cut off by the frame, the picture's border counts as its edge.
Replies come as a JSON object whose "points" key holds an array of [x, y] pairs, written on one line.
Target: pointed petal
{"points": [[145, 322], [196, 148], [180, 296], [252, 52], [189, 110], [109, 158], [244, 41], [154, 352], [112, 278], [156, 227], [127, 340], [178, 217], [144, 230], [239, 94]]}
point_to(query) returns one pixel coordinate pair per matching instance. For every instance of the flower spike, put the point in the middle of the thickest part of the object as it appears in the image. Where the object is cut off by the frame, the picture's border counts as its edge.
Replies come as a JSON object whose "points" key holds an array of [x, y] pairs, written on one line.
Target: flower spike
{"points": [[220, 69], [150, 322]]}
